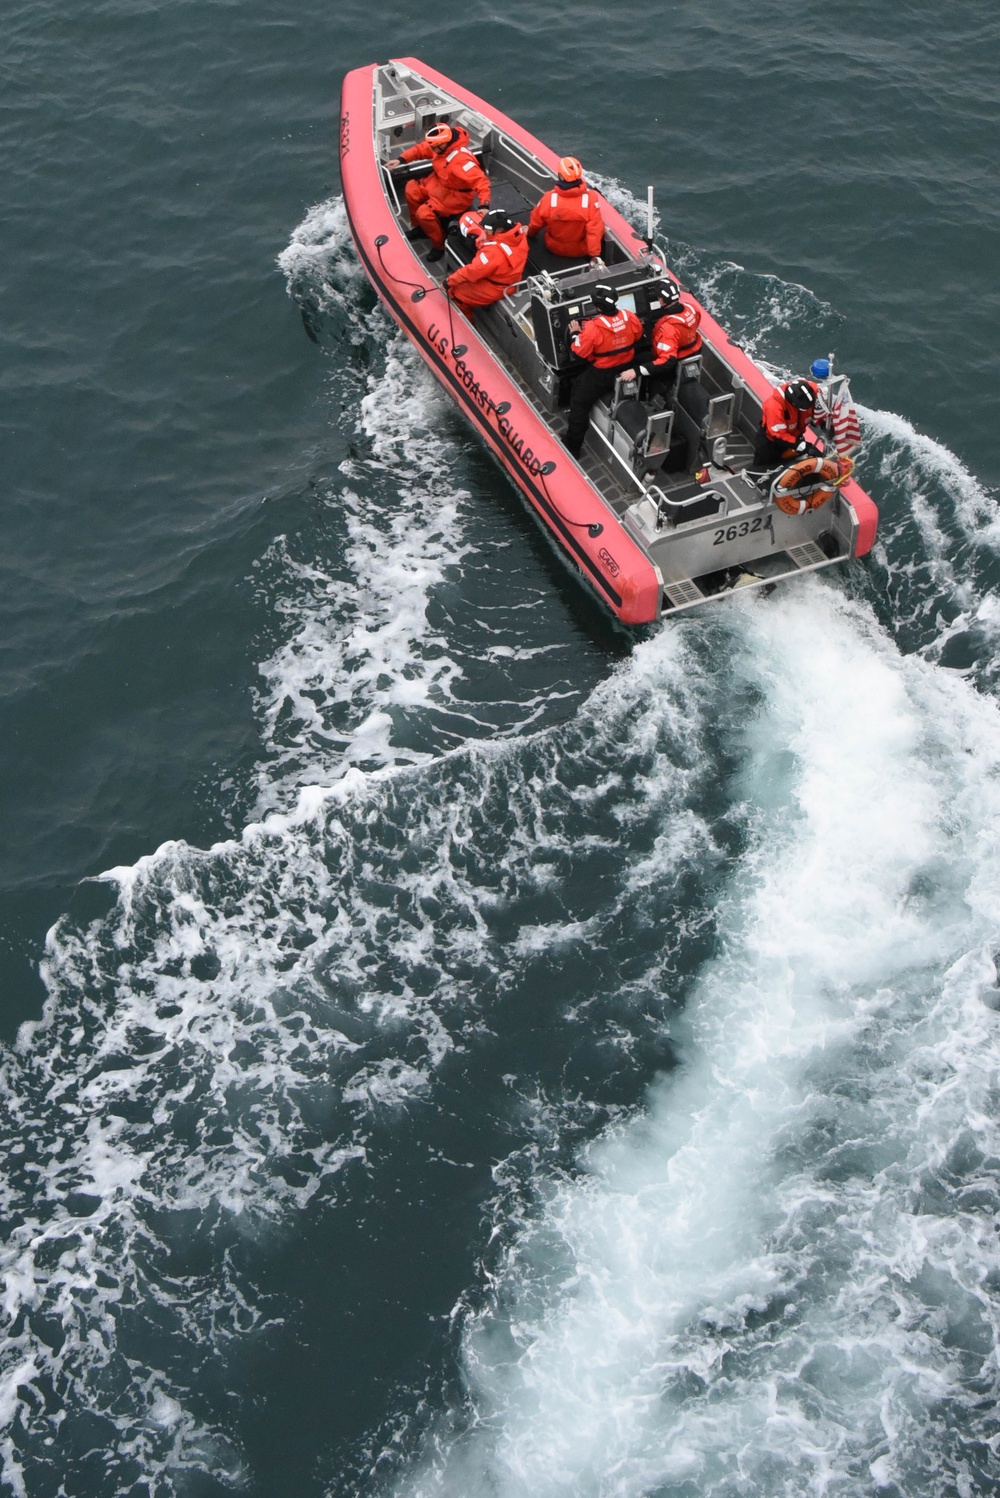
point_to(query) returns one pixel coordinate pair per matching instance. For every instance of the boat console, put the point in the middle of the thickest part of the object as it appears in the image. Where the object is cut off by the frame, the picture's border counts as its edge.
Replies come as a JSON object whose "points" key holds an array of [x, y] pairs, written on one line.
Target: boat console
{"points": [[560, 298]]}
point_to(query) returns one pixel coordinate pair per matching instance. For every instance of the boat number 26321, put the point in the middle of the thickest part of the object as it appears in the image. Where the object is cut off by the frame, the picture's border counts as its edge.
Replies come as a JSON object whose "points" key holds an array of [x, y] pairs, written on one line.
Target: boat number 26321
{"points": [[734, 532]]}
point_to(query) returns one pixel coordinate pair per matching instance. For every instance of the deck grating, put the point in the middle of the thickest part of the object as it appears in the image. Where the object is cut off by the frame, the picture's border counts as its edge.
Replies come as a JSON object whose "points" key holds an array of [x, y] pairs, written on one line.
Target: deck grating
{"points": [[807, 555]]}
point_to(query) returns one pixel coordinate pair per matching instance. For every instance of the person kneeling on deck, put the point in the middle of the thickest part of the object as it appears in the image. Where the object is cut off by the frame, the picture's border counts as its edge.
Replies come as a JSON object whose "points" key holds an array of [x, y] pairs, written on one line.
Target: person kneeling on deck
{"points": [[786, 414], [569, 214], [499, 261], [675, 337], [449, 189], [604, 346]]}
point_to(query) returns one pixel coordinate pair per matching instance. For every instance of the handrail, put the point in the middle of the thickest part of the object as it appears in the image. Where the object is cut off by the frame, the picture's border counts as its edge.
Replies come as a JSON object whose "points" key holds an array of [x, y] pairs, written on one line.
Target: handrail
{"points": [[521, 154], [390, 179]]}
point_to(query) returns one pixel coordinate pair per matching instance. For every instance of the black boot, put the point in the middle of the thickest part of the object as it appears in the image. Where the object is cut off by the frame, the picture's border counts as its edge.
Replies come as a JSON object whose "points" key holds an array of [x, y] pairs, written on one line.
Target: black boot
{"points": [[435, 254], [415, 233]]}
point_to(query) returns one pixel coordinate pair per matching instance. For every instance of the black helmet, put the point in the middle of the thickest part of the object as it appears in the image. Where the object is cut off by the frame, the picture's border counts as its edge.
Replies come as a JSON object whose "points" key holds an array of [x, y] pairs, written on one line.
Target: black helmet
{"points": [[670, 293], [496, 221], [800, 394], [604, 298]]}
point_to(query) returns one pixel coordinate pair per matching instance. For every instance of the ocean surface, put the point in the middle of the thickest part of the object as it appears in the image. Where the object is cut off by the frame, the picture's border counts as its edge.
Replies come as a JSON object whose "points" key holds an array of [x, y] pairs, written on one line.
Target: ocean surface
{"points": [[451, 1045]]}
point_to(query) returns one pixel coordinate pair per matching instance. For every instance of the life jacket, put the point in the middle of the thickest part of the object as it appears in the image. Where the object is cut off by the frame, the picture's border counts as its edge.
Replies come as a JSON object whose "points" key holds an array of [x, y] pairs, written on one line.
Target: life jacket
{"points": [[782, 421], [471, 226], [457, 176], [499, 261], [609, 339], [676, 335], [571, 219]]}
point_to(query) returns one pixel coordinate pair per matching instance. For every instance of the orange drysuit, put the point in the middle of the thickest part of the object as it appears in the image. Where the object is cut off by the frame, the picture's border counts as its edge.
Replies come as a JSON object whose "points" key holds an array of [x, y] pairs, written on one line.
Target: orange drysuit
{"points": [[498, 263], [571, 219], [782, 421], [449, 189], [607, 343], [781, 427], [676, 335], [609, 339]]}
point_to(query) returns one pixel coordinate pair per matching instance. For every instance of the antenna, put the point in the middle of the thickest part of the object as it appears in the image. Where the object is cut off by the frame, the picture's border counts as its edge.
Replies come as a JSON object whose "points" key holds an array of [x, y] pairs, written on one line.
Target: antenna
{"points": [[649, 217]]}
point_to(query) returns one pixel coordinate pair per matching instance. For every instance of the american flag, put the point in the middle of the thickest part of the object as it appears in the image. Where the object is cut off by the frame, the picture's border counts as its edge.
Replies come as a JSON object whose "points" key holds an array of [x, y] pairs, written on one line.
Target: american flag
{"points": [[842, 416], [846, 429]]}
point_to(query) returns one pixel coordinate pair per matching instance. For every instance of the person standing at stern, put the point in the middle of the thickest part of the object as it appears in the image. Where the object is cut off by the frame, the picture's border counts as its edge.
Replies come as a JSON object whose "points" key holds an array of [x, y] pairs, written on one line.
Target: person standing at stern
{"points": [[786, 413]]}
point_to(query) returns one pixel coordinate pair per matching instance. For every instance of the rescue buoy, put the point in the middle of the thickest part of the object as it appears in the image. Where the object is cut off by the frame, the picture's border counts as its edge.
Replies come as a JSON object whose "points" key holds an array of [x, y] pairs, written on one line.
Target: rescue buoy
{"points": [[809, 483]]}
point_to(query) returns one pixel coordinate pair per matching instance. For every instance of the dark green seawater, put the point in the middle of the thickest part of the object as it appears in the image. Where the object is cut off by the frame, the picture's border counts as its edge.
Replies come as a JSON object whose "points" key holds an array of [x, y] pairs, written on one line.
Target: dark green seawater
{"points": [[504, 1056]]}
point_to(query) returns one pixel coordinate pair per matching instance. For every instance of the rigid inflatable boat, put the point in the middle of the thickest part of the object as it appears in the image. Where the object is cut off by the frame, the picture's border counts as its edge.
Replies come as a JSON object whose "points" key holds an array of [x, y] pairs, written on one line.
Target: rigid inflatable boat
{"points": [[664, 509]]}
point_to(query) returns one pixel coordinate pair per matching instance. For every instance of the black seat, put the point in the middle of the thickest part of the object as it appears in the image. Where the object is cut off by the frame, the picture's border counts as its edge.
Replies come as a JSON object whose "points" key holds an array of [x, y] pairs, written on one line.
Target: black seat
{"points": [[693, 399], [632, 417], [539, 258], [690, 410]]}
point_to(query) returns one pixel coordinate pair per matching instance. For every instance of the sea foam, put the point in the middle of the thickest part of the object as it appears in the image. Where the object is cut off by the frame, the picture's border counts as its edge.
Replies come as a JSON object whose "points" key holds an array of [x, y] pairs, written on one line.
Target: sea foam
{"points": [[777, 1279]]}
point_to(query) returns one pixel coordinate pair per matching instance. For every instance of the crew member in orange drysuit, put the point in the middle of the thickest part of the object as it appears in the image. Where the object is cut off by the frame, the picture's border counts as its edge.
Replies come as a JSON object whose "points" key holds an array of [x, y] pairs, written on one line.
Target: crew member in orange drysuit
{"points": [[499, 261], [605, 346], [569, 214], [675, 337], [786, 414], [450, 189]]}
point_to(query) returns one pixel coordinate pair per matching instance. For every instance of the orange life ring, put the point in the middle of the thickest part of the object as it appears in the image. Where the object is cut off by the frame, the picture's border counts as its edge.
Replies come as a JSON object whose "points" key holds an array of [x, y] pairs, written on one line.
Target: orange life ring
{"points": [[809, 483]]}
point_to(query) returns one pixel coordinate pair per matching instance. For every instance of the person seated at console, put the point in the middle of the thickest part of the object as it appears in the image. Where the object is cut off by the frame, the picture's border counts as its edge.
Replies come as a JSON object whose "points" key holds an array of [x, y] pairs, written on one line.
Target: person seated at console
{"points": [[499, 261], [449, 189], [786, 414], [569, 215], [603, 349], [675, 337]]}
